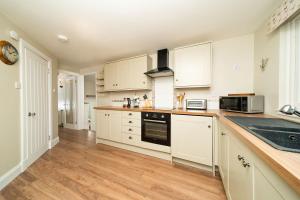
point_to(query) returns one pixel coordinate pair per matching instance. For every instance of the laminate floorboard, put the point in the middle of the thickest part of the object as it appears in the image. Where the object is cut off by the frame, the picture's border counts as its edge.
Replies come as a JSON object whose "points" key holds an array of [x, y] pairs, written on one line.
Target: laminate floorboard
{"points": [[77, 169]]}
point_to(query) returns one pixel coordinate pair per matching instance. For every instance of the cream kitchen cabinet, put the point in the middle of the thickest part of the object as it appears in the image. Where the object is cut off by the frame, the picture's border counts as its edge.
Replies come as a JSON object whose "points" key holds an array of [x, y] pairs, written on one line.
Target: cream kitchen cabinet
{"points": [[109, 125], [240, 172], [223, 156], [191, 138], [102, 124], [127, 74], [192, 66], [245, 176]]}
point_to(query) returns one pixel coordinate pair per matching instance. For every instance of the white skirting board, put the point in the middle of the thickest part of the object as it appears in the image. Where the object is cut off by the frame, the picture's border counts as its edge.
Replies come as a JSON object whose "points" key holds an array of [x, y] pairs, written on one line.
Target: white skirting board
{"points": [[149, 152], [53, 142], [10, 175]]}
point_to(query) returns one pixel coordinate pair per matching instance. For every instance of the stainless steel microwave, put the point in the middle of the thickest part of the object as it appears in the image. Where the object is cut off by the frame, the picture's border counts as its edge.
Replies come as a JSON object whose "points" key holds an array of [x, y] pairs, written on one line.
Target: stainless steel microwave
{"points": [[244, 104]]}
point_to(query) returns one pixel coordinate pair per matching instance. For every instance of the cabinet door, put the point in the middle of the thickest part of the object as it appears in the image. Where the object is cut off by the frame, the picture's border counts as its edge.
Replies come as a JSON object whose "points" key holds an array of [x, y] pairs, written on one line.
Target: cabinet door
{"points": [[193, 66], [223, 156], [102, 126], [121, 72], [110, 77], [138, 66], [115, 126], [240, 177], [263, 189], [192, 138]]}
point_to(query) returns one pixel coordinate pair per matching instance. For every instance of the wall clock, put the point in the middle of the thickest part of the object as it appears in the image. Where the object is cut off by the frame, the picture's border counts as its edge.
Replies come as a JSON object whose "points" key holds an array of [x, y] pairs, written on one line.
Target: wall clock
{"points": [[8, 53]]}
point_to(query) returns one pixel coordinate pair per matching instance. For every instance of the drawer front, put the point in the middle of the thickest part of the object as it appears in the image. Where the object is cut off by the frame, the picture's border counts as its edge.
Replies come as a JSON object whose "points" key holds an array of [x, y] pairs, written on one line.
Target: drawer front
{"points": [[131, 122], [132, 115], [131, 130], [131, 139]]}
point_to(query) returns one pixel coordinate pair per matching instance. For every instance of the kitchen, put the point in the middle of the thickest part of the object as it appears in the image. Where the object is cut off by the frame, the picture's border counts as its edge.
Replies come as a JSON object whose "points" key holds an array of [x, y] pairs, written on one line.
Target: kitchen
{"points": [[162, 100]]}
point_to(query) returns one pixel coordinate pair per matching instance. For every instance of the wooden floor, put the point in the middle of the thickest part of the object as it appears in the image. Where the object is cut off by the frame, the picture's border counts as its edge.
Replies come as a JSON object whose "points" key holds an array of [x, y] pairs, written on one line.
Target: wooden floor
{"points": [[77, 168]]}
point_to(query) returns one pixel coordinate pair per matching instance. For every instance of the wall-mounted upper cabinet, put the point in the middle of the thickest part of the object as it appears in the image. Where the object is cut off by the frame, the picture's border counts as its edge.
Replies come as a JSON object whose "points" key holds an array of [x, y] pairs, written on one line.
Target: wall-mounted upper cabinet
{"points": [[192, 66], [127, 74]]}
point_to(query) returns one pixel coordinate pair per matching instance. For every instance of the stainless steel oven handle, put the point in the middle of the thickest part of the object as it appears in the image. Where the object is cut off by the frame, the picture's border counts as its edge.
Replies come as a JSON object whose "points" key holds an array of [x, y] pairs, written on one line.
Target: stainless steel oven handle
{"points": [[155, 121]]}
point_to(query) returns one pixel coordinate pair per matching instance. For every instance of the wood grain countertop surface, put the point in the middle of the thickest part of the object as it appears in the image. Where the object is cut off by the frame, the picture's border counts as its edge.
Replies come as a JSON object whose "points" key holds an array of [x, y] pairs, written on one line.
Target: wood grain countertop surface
{"points": [[285, 164]]}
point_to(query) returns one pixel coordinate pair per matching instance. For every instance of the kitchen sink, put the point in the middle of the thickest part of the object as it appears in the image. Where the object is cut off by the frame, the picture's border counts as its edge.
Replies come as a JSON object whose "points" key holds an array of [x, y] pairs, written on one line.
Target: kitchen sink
{"points": [[279, 133]]}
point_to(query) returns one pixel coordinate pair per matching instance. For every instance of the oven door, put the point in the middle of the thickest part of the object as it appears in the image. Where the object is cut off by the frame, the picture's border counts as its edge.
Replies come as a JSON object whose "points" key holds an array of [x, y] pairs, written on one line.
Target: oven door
{"points": [[156, 131]]}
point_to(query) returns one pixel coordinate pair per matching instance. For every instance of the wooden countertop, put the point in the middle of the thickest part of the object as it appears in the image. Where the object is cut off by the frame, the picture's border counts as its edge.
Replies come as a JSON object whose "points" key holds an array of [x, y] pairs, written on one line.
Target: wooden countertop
{"points": [[209, 113], [285, 164]]}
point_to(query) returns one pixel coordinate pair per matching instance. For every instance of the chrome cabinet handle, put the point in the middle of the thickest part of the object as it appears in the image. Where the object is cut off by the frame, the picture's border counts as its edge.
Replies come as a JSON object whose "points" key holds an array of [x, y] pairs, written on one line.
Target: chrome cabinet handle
{"points": [[245, 164], [241, 158]]}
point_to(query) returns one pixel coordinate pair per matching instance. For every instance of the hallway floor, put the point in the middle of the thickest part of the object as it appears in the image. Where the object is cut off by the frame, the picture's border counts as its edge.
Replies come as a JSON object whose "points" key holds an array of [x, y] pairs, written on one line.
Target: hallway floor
{"points": [[77, 168]]}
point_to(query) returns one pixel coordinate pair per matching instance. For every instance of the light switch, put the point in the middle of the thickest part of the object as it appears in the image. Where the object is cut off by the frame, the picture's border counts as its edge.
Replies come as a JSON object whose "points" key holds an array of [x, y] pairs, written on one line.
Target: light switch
{"points": [[17, 85]]}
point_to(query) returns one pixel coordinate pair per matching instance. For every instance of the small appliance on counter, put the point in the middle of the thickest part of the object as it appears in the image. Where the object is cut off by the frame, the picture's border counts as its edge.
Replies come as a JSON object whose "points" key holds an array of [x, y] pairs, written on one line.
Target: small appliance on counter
{"points": [[147, 103], [243, 103], [196, 104], [136, 102]]}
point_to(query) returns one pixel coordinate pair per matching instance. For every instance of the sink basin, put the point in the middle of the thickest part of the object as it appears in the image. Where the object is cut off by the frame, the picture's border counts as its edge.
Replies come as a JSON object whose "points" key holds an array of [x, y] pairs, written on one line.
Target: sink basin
{"points": [[279, 133]]}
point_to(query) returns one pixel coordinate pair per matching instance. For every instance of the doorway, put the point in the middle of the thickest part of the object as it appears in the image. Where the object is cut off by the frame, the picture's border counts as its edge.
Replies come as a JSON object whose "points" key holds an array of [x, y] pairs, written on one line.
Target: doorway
{"points": [[67, 100], [89, 101]]}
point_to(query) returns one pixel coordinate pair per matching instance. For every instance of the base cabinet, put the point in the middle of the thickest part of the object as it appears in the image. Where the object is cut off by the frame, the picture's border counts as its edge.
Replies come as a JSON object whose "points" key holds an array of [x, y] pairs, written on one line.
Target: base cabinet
{"points": [[191, 138], [109, 125], [245, 176], [240, 172]]}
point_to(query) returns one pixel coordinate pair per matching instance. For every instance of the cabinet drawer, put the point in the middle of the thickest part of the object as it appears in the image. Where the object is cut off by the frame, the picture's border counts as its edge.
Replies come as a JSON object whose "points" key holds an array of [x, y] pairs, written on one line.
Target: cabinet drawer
{"points": [[132, 115], [131, 130], [131, 122], [131, 139]]}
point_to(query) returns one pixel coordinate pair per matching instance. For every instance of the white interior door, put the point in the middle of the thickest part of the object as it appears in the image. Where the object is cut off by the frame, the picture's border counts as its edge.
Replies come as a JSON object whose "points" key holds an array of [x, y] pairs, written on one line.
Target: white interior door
{"points": [[36, 104], [71, 102]]}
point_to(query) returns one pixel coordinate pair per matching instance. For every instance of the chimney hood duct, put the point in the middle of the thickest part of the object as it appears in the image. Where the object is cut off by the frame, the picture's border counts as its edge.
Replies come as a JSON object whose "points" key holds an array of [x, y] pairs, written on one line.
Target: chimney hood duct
{"points": [[162, 69]]}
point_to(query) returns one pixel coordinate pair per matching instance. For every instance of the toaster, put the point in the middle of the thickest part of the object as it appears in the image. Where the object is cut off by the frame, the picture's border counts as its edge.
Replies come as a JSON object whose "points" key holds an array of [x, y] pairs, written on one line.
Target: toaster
{"points": [[196, 104]]}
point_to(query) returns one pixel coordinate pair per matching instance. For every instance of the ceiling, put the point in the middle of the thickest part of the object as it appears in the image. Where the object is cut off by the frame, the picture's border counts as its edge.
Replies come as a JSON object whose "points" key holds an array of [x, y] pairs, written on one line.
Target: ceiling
{"points": [[103, 30]]}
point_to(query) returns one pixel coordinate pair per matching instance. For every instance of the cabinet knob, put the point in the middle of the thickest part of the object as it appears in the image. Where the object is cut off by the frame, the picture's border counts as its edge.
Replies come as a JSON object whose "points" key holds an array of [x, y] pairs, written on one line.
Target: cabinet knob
{"points": [[129, 137], [209, 126], [29, 114], [130, 122], [176, 80], [130, 129], [223, 133], [130, 114]]}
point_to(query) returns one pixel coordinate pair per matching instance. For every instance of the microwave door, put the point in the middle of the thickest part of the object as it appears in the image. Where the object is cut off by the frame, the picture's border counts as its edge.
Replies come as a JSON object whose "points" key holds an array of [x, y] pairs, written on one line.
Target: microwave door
{"points": [[232, 103]]}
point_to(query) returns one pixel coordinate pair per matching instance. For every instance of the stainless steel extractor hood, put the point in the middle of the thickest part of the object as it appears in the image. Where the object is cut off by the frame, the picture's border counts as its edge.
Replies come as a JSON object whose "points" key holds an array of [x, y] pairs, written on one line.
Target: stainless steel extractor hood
{"points": [[162, 69]]}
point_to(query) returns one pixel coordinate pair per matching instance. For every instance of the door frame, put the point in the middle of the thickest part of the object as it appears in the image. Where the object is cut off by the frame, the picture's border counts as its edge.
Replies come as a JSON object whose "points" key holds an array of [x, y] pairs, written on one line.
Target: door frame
{"points": [[24, 143], [80, 98]]}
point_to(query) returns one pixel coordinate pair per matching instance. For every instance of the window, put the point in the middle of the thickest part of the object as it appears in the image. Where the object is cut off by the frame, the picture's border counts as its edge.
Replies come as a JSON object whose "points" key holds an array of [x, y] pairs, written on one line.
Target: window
{"points": [[289, 70]]}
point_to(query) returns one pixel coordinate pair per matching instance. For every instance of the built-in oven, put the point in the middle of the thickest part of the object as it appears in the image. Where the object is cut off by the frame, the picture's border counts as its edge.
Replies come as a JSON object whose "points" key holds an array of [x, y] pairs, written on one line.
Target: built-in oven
{"points": [[156, 128]]}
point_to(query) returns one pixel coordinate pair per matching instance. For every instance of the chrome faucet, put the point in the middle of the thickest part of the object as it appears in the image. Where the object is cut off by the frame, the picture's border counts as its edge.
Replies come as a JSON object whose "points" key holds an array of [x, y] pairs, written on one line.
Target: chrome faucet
{"points": [[289, 110]]}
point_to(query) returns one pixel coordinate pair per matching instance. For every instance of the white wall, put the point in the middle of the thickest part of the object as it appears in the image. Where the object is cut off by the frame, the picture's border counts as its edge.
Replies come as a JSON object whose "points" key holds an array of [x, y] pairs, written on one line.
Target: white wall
{"points": [[267, 82]]}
